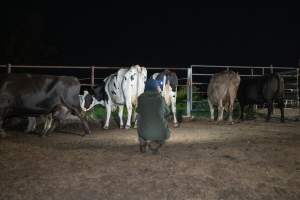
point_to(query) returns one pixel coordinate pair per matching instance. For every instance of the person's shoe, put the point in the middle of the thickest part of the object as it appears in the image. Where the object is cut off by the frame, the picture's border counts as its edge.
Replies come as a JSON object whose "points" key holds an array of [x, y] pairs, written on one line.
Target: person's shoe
{"points": [[155, 151], [154, 147], [143, 148]]}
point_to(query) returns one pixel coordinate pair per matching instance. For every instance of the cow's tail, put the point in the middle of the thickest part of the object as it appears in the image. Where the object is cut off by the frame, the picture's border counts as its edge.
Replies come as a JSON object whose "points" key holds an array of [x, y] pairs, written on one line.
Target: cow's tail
{"points": [[280, 90]]}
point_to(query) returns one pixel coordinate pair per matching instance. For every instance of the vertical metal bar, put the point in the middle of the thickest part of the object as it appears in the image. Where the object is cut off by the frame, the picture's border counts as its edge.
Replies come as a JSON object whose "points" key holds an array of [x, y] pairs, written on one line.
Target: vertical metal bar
{"points": [[8, 68], [189, 91], [297, 90], [93, 76], [263, 71], [271, 69], [255, 105], [191, 88]]}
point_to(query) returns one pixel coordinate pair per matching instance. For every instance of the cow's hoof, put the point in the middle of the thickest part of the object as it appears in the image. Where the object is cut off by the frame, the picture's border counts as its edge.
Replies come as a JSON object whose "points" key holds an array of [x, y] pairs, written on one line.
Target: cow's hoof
{"points": [[143, 148], [121, 127], [42, 134], [105, 127], [176, 125], [135, 126], [127, 127]]}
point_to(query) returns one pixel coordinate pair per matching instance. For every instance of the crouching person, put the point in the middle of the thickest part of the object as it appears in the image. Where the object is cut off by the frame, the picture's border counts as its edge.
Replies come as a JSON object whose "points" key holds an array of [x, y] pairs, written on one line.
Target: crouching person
{"points": [[152, 124]]}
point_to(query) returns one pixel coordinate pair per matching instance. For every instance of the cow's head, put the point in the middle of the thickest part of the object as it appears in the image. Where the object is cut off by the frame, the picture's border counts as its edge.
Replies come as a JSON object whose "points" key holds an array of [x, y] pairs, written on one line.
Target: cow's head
{"points": [[100, 94], [88, 101], [167, 77]]}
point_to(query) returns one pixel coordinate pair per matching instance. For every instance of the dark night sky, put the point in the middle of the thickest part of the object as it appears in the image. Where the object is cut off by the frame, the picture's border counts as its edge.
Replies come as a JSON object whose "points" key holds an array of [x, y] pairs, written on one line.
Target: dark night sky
{"points": [[157, 35]]}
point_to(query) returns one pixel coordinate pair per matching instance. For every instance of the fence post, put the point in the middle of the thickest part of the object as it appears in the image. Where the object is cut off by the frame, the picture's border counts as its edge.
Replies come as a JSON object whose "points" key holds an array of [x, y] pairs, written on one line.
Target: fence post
{"points": [[92, 75], [252, 76], [189, 92], [271, 69], [297, 90], [8, 68]]}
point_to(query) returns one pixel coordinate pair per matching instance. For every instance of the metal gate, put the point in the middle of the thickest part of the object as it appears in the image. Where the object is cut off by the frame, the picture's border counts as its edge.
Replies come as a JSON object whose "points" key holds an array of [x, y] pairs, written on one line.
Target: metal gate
{"points": [[199, 76]]}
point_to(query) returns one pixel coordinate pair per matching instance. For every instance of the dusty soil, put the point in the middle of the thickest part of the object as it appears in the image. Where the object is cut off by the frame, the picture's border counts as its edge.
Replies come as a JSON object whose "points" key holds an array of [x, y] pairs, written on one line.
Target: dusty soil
{"points": [[202, 160]]}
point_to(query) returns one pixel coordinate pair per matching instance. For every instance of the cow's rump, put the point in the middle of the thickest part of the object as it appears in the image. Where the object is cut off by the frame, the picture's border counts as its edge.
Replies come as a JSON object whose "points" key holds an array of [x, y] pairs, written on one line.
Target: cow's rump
{"points": [[262, 90], [221, 92]]}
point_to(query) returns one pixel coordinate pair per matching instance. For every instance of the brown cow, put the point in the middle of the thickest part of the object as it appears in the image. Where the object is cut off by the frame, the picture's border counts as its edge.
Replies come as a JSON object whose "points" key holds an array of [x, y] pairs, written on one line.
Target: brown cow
{"points": [[221, 92]]}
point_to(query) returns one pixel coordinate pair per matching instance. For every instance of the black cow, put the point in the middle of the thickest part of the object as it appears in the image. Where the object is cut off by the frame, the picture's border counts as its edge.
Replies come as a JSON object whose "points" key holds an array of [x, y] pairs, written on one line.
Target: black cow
{"points": [[33, 95], [261, 90]]}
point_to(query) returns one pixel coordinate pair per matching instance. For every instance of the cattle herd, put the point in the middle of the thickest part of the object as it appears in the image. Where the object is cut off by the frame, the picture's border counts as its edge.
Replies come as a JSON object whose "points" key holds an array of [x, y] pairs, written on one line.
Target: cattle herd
{"points": [[54, 97]]}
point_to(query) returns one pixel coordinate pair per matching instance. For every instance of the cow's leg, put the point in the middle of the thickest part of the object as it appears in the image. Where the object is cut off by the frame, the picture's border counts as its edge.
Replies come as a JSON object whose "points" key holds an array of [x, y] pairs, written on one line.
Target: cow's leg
{"points": [[2, 132], [108, 113], [230, 113], [173, 105], [230, 109], [220, 110], [31, 126], [54, 124], [47, 124], [58, 113], [211, 108], [45, 120], [121, 108], [281, 106], [129, 113], [76, 111], [84, 122], [270, 108], [134, 118]]}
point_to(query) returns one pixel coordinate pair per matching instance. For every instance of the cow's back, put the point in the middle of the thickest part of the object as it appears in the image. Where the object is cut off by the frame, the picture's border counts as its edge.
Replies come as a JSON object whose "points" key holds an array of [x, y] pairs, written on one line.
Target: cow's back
{"points": [[36, 94], [261, 90]]}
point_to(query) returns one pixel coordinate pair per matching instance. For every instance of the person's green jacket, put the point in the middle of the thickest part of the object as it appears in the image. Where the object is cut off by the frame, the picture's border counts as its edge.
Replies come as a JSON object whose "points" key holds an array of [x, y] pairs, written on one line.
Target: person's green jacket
{"points": [[152, 118]]}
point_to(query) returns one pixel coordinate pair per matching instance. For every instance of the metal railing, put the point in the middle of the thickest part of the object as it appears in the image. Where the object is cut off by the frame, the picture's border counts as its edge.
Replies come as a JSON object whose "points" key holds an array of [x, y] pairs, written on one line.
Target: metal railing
{"points": [[189, 78], [90, 75], [200, 76]]}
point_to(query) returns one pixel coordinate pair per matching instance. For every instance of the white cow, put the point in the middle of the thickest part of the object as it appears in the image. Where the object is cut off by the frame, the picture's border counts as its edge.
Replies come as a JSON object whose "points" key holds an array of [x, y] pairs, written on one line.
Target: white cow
{"points": [[169, 82], [123, 88]]}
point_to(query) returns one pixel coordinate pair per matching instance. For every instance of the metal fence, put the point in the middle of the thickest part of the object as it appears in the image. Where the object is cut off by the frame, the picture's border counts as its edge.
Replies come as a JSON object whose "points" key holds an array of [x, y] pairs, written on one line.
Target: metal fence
{"points": [[201, 74], [194, 79], [88, 75]]}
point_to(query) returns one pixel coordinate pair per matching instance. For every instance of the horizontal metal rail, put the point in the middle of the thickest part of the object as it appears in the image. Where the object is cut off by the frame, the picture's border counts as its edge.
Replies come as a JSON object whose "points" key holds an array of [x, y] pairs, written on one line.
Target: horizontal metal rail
{"points": [[242, 67], [85, 67]]}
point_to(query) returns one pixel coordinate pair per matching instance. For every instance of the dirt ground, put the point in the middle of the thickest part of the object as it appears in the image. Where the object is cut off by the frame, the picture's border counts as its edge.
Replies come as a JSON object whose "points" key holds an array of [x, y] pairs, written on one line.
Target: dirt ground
{"points": [[202, 160]]}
